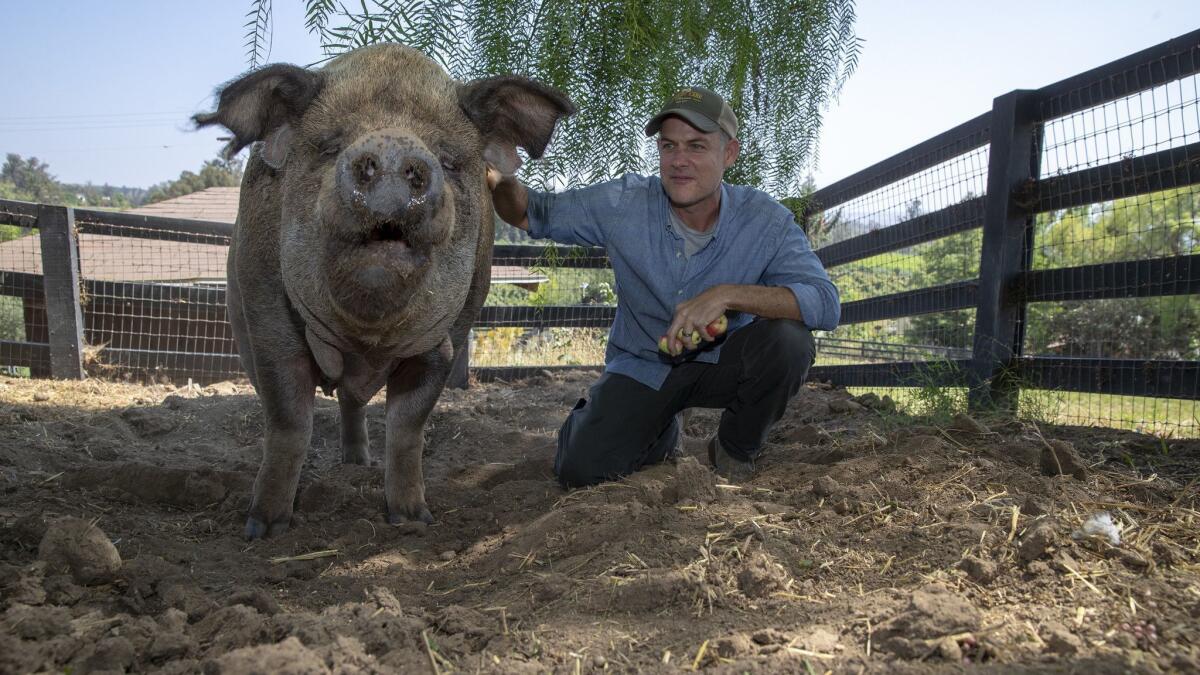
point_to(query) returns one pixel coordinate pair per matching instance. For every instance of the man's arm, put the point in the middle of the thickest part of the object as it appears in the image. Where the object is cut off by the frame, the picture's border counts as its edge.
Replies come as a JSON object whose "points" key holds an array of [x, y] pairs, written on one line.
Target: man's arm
{"points": [[577, 217], [768, 302], [509, 198]]}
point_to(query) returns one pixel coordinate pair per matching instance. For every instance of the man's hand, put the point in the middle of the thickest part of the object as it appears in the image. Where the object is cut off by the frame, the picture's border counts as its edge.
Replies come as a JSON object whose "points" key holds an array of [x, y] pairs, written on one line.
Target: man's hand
{"points": [[509, 198], [692, 318], [493, 178]]}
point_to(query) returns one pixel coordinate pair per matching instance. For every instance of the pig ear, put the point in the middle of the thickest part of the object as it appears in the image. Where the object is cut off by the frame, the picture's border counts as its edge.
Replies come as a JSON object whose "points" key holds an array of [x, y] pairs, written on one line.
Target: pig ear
{"points": [[261, 106], [512, 111]]}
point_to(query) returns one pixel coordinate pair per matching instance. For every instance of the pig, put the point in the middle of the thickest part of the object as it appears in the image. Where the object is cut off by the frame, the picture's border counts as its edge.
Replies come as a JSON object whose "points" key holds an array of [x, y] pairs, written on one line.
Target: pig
{"points": [[362, 249]]}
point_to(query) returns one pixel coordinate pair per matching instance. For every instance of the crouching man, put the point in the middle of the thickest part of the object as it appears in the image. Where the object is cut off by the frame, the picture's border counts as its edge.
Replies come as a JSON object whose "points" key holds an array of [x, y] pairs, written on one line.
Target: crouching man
{"points": [[686, 249]]}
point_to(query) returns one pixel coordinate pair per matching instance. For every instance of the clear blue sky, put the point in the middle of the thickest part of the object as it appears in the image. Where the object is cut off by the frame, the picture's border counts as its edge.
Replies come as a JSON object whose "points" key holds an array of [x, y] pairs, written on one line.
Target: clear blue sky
{"points": [[102, 90]]}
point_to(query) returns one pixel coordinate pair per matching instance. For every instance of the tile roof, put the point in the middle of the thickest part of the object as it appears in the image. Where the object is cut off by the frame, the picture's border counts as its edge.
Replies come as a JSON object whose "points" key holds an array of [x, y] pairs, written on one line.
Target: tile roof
{"points": [[216, 204]]}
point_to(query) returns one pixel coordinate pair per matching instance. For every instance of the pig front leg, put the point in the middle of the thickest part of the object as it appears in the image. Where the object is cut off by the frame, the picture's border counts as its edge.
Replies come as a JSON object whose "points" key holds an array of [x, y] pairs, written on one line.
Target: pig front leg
{"points": [[287, 389], [413, 389]]}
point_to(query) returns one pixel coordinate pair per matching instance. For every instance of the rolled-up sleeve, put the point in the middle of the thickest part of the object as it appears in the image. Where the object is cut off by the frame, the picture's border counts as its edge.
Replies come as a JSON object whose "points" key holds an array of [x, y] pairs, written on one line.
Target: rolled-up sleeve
{"points": [[796, 267], [572, 216]]}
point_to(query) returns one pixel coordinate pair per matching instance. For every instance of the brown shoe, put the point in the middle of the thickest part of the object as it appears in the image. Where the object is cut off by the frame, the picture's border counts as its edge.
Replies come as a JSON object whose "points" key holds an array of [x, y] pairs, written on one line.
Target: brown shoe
{"points": [[727, 465]]}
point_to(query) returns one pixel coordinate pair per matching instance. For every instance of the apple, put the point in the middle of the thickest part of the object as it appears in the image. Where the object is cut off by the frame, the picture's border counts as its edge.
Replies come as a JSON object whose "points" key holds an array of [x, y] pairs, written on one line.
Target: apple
{"points": [[664, 345], [717, 327], [694, 338]]}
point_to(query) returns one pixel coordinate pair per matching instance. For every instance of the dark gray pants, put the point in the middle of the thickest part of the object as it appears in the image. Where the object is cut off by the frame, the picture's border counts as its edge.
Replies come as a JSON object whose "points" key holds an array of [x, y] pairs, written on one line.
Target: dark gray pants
{"points": [[625, 425]]}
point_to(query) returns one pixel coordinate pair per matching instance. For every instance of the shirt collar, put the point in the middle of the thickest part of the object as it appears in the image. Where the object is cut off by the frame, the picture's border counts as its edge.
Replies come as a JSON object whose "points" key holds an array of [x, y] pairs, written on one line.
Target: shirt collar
{"points": [[722, 209]]}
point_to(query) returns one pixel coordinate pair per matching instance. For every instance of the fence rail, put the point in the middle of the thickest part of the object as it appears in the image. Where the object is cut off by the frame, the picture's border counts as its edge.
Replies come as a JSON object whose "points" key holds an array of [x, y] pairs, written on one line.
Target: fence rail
{"points": [[980, 185]]}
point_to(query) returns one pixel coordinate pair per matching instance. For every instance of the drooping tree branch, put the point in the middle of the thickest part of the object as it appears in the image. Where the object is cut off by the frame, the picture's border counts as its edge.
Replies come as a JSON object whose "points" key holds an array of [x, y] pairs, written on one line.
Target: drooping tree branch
{"points": [[779, 63]]}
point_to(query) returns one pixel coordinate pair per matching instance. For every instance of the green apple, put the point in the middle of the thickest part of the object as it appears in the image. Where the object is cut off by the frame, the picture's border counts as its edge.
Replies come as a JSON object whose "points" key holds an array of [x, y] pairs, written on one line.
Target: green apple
{"points": [[694, 338]]}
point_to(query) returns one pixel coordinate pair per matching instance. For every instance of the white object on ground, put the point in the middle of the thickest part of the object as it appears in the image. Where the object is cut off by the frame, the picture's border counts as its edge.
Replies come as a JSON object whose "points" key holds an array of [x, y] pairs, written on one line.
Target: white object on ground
{"points": [[1099, 524]]}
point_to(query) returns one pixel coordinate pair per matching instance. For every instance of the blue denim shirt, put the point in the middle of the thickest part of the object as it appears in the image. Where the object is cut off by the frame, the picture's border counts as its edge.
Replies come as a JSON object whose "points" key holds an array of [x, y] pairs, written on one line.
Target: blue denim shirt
{"points": [[757, 242]]}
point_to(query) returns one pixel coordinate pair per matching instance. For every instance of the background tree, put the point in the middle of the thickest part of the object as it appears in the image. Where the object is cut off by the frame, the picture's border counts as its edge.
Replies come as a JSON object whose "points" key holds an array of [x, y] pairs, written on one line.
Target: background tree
{"points": [[1156, 225], [945, 261], [214, 173], [28, 180], [779, 62]]}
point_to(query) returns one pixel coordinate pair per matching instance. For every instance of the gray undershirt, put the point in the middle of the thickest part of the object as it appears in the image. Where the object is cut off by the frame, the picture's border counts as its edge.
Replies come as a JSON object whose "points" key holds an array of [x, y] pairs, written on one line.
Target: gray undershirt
{"points": [[693, 240]]}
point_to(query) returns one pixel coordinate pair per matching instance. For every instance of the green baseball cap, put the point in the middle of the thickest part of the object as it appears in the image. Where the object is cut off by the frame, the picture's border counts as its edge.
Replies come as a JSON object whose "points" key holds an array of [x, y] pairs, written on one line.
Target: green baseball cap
{"points": [[699, 107]]}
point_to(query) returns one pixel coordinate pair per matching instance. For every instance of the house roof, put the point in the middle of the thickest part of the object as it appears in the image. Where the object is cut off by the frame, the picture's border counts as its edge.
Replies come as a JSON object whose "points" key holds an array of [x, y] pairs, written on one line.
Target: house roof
{"points": [[109, 258], [215, 204]]}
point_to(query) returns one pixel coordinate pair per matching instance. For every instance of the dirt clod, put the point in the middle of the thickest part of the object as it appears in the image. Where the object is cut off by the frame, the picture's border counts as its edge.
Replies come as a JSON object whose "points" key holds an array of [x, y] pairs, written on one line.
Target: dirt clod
{"points": [[112, 654], [980, 571], [289, 656], [81, 548], [768, 636], [1061, 459], [692, 482], [931, 613], [732, 646], [826, 486], [809, 434], [967, 424], [1036, 541], [1035, 506], [843, 406], [171, 646], [760, 576], [1060, 640]]}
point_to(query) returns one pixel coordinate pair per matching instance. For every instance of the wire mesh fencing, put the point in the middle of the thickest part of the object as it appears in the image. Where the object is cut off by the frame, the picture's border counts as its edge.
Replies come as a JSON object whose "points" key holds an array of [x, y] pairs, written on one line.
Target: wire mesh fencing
{"points": [[1105, 297], [23, 323], [1120, 166], [902, 243], [154, 302], [548, 307]]}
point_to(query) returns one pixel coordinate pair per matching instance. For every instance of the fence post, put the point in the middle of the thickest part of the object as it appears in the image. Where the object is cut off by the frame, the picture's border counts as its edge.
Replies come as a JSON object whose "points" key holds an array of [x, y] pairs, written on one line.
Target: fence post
{"points": [[1013, 161], [60, 274]]}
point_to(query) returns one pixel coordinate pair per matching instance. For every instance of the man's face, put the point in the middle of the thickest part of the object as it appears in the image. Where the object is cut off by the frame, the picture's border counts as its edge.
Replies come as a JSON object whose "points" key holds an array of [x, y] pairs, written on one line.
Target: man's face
{"points": [[691, 162]]}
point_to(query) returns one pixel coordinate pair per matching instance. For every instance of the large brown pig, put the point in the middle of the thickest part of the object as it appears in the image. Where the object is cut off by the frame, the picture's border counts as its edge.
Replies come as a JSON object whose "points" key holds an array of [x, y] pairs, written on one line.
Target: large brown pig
{"points": [[362, 248]]}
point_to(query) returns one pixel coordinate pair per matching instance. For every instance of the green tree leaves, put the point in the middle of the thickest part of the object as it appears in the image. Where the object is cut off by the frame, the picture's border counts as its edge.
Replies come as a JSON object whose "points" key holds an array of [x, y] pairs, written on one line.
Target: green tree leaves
{"points": [[214, 173], [779, 63], [1155, 225], [30, 180]]}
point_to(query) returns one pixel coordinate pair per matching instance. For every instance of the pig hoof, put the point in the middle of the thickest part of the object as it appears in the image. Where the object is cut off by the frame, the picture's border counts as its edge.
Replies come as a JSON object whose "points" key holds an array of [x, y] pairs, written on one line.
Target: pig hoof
{"points": [[399, 518], [257, 529]]}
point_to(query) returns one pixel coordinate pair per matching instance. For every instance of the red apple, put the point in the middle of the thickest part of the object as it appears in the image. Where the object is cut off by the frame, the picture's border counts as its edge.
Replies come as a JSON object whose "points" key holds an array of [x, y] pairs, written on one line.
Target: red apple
{"points": [[717, 327]]}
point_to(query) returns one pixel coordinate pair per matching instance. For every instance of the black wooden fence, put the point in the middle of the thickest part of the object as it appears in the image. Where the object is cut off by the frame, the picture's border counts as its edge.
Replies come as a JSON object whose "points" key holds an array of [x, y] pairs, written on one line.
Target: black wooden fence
{"points": [[80, 306], [985, 175], [1013, 134]]}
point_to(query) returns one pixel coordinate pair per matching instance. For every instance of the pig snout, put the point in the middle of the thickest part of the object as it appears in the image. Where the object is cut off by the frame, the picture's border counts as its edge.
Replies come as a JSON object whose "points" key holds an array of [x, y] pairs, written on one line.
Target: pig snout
{"points": [[393, 184]]}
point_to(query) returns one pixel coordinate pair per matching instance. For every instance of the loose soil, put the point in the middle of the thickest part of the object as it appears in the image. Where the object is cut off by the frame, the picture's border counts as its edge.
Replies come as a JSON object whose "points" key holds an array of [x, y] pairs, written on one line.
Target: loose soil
{"points": [[866, 542]]}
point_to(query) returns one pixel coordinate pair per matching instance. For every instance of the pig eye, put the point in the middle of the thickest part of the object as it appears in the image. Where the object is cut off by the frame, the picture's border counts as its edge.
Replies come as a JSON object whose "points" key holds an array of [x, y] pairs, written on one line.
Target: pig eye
{"points": [[330, 147], [449, 163]]}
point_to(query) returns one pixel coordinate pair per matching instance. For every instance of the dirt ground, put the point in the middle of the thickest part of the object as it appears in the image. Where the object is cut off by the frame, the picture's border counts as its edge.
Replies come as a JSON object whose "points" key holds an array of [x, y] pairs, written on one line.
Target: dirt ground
{"points": [[868, 541]]}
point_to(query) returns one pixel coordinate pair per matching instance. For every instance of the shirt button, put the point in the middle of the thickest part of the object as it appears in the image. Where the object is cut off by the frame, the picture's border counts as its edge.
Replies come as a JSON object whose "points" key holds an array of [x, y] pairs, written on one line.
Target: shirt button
{"points": [[678, 254], [679, 293]]}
